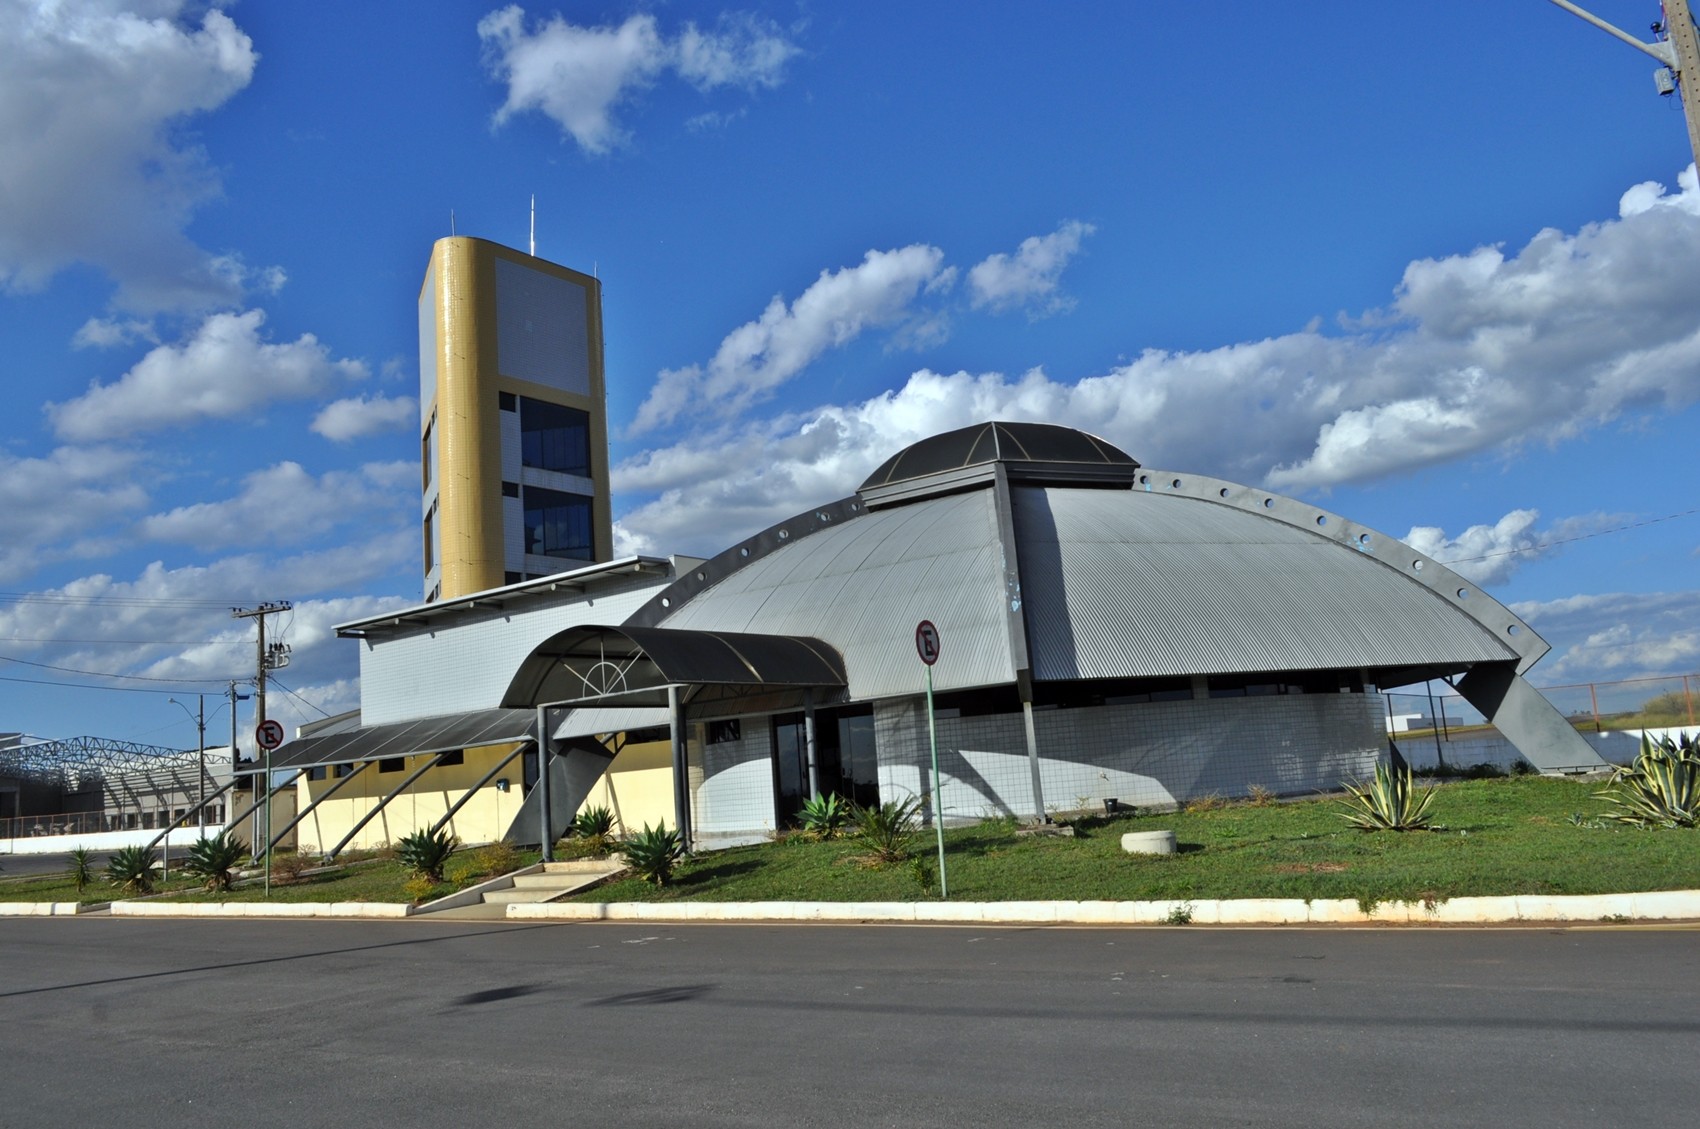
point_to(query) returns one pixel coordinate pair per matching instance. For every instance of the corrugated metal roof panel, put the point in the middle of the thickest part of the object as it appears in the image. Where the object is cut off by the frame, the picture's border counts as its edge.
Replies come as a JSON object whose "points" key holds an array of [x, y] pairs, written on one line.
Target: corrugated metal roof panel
{"points": [[1129, 583], [863, 585]]}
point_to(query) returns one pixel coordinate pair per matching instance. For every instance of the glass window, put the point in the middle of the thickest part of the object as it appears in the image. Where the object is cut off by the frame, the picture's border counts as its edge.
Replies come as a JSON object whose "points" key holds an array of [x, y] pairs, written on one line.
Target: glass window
{"points": [[392, 764], [505, 401], [557, 524], [510, 489], [553, 437]]}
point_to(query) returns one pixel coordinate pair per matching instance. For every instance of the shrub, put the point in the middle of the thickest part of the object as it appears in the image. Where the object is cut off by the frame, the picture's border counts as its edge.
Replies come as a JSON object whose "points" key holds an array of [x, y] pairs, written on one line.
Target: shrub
{"points": [[426, 853], [1662, 787], [1390, 802], [131, 869], [214, 861], [888, 830], [497, 858], [82, 868], [825, 816], [288, 868], [1259, 796], [420, 888], [653, 852]]}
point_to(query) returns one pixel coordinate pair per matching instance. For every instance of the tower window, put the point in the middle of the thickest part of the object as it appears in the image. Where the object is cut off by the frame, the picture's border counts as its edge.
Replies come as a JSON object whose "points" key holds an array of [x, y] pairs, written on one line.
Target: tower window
{"points": [[507, 401], [553, 437], [557, 524]]}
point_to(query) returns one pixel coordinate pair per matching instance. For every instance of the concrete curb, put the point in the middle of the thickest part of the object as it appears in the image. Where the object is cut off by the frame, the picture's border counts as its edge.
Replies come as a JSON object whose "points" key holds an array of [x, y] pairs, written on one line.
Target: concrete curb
{"points": [[1670, 905], [48, 909], [261, 909]]}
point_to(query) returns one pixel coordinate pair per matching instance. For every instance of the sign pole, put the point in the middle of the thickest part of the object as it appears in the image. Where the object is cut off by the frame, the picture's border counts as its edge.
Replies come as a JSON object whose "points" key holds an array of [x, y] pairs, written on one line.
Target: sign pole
{"points": [[927, 645], [938, 790]]}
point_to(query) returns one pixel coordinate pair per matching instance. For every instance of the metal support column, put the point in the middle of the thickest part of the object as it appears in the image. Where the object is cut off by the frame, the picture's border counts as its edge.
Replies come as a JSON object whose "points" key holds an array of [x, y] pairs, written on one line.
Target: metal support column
{"points": [[546, 828], [809, 742], [383, 803], [1033, 762], [681, 770]]}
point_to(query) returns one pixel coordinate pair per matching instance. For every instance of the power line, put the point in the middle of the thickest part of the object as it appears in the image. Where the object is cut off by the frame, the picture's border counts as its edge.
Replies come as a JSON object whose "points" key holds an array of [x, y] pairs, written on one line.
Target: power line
{"points": [[131, 642], [86, 686], [1567, 540], [276, 682], [106, 674], [113, 601]]}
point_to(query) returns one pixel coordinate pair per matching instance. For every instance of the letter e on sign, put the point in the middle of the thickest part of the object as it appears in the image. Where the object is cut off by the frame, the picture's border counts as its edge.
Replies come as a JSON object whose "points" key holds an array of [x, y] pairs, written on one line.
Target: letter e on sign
{"points": [[927, 641], [269, 735]]}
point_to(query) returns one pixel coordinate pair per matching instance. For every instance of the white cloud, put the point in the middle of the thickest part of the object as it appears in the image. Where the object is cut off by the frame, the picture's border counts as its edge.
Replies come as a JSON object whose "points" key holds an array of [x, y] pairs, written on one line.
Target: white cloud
{"points": [[760, 355], [51, 504], [1617, 635], [343, 420], [1490, 554], [224, 371], [1028, 279], [107, 333], [742, 51], [90, 93], [1480, 353], [284, 505], [578, 76]]}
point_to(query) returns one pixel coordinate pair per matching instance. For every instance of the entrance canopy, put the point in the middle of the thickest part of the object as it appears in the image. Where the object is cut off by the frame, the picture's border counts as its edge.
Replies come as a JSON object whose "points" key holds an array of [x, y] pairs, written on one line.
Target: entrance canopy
{"points": [[637, 665], [405, 738]]}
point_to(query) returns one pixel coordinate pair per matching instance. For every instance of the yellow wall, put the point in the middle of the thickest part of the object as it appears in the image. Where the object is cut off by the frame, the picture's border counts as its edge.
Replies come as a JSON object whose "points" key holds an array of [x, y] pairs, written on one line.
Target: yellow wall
{"points": [[484, 818], [638, 787]]}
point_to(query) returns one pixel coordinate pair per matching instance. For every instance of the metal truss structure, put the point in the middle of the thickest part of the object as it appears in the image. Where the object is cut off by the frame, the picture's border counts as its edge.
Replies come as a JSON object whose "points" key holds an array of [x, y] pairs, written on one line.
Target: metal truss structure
{"points": [[76, 763]]}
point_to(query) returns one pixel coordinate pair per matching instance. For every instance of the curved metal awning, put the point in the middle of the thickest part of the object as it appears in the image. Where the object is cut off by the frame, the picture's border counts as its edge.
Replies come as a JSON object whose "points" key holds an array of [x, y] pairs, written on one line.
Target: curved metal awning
{"points": [[636, 665]]}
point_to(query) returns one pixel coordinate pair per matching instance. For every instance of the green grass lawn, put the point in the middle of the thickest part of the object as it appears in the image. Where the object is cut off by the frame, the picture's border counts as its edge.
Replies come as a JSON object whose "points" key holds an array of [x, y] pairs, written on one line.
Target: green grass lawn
{"points": [[1507, 836], [361, 880]]}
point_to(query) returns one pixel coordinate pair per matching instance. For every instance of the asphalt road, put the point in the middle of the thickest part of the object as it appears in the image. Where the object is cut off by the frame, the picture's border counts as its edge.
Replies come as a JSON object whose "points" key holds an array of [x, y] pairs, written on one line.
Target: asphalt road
{"points": [[437, 1024]]}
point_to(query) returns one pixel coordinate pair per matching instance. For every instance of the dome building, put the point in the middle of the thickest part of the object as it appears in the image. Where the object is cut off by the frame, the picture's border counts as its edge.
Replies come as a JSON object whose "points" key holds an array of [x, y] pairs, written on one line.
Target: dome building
{"points": [[1106, 632]]}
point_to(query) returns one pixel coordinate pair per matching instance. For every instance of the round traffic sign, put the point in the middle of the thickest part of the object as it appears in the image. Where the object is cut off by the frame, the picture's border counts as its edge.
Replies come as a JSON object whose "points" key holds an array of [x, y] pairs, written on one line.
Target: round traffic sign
{"points": [[269, 735], [927, 641]]}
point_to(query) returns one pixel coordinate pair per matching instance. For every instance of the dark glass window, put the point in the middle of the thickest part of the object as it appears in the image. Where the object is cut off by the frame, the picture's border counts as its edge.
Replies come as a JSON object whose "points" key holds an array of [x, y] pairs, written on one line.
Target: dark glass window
{"points": [[454, 757], [392, 764], [317, 772], [507, 401], [511, 578], [726, 729], [510, 489], [553, 437], [557, 524]]}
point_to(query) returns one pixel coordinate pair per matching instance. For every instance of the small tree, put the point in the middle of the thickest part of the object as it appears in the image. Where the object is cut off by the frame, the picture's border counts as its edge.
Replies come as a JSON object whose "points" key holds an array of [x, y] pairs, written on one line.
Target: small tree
{"points": [[82, 868]]}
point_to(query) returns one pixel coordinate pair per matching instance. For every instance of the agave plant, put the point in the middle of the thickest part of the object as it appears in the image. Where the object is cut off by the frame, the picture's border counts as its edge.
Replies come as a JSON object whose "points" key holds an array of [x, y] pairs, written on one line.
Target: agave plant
{"points": [[1662, 787], [888, 830], [824, 816], [653, 852], [426, 853], [595, 826], [1390, 802], [131, 868], [82, 868], [215, 861]]}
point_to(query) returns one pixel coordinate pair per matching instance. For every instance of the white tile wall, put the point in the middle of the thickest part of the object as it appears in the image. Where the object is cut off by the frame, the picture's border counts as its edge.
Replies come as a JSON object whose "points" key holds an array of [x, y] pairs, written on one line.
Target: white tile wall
{"points": [[1147, 754], [735, 792], [467, 666]]}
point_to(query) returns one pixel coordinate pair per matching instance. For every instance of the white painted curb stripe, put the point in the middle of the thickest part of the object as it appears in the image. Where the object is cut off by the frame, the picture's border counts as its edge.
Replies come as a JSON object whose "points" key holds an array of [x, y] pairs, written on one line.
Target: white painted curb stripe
{"points": [[1658, 906]]}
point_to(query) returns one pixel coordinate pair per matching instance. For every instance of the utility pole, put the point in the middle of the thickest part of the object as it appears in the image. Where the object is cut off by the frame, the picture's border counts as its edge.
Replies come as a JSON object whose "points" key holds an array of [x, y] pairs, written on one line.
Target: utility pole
{"points": [[266, 658], [1679, 51]]}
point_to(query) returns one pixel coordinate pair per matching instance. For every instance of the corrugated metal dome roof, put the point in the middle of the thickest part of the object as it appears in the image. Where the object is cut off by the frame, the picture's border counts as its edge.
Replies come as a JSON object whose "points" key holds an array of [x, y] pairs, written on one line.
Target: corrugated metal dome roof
{"points": [[1179, 575]]}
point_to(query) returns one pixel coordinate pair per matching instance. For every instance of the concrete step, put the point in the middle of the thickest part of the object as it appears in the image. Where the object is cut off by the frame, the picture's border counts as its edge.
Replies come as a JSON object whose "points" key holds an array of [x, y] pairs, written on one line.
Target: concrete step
{"points": [[585, 866]]}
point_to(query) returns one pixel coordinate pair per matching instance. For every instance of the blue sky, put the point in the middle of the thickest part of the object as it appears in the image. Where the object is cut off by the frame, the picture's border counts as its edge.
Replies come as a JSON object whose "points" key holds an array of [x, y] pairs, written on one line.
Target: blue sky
{"points": [[1432, 266]]}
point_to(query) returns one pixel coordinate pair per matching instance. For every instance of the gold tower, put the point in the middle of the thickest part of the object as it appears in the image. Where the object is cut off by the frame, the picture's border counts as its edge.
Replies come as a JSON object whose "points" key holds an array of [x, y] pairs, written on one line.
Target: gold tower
{"points": [[513, 426]]}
